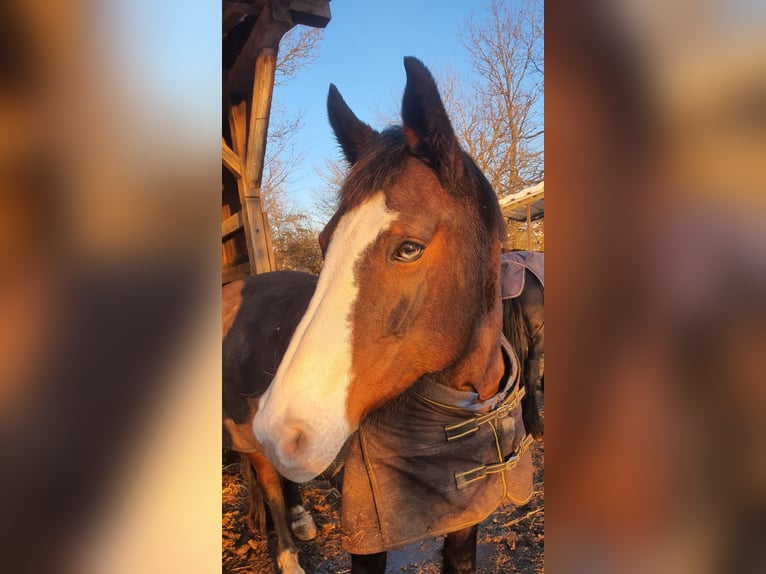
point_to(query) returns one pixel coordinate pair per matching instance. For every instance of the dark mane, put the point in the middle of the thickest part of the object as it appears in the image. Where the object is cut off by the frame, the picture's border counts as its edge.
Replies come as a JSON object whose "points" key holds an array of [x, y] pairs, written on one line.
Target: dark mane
{"points": [[377, 168], [487, 199]]}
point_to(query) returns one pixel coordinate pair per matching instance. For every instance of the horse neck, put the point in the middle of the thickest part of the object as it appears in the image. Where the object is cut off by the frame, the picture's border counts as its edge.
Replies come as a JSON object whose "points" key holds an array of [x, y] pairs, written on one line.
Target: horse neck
{"points": [[482, 368]]}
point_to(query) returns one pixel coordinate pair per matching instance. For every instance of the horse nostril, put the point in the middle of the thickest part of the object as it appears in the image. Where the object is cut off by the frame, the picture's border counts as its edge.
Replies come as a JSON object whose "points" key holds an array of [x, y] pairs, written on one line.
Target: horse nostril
{"points": [[292, 443]]}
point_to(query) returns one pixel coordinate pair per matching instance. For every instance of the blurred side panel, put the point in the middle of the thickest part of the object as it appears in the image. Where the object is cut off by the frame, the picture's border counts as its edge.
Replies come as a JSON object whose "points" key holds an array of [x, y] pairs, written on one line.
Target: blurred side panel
{"points": [[656, 229], [109, 286]]}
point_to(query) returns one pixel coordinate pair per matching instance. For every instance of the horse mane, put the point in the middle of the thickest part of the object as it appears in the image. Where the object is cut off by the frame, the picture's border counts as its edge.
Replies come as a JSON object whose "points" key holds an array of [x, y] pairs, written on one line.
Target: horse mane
{"points": [[515, 329], [516, 332]]}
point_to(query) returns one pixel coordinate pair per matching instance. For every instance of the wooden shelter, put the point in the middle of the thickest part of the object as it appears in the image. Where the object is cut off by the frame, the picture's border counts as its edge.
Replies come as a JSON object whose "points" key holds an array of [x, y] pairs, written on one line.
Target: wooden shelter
{"points": [[526, 205], [252, 30]]}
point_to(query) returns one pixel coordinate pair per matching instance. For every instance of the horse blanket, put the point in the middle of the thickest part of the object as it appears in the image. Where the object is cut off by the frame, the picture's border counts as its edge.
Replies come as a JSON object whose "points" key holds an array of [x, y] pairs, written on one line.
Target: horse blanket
{"points": [[512, 267], [433, 461]]}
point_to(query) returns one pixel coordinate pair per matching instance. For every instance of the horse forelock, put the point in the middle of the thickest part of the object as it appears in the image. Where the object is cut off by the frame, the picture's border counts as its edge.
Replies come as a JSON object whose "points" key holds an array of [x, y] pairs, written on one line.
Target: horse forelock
{"points": [[383, 161], [378, 167]]}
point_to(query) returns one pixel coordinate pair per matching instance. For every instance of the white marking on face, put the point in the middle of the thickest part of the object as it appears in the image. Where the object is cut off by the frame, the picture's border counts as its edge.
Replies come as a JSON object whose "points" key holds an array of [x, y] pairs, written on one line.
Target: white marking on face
{"points": [[309, 391]]}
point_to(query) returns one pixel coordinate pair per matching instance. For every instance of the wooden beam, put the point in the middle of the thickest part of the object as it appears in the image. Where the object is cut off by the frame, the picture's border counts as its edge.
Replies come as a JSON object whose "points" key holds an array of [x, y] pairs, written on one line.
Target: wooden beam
{"points": [[238, 127], [231, 160], [228, 250], [529, 227], [521, 198], [263, 86], [314, 13], [235, 273], [231, 224]]}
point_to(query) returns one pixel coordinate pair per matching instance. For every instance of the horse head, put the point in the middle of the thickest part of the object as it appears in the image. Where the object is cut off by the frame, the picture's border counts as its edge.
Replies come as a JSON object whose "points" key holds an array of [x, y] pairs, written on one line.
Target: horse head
{"points": [[409, 285]]}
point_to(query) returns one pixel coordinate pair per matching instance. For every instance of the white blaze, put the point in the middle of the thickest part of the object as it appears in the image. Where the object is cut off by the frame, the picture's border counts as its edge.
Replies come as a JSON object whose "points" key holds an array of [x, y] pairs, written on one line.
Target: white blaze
{"points": [[311, 385]]}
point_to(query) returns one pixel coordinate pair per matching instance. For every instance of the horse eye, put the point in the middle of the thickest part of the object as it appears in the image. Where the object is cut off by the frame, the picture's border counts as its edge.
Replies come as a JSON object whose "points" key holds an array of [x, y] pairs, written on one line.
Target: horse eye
{"points": [[409, 251]]}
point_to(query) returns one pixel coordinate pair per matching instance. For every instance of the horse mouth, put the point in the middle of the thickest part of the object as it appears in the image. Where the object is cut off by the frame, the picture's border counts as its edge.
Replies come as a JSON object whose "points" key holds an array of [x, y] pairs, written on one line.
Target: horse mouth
{"points": [[292, 471], [293, 450]]}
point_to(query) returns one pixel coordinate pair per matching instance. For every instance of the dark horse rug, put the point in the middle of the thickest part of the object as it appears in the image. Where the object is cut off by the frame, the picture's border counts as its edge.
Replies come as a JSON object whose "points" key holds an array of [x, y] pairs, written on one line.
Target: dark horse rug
{"points": [[433, 461], [512, 267]]}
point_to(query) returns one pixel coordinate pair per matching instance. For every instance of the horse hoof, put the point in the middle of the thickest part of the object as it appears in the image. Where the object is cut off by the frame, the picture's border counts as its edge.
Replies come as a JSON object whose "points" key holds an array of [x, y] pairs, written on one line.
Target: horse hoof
{"points": [[302, 524], [287, 560]]}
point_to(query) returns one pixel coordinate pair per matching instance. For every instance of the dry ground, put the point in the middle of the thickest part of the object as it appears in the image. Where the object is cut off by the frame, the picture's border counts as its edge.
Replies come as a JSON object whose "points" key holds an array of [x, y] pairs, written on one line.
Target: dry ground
{"points": [[511, 540]]}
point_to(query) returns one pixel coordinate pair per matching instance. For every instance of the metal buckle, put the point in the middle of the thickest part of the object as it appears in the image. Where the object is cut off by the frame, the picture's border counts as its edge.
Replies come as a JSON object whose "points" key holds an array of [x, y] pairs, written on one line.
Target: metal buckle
{"points": [[462, 479], [459, 430]]}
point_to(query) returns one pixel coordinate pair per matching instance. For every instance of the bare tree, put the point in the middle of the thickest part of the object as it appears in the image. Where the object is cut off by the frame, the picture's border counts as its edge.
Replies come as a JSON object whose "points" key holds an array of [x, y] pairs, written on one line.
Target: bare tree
{"points": [[498, 115], [325, 200], [501, 122], [297, 50], [294, 235]]}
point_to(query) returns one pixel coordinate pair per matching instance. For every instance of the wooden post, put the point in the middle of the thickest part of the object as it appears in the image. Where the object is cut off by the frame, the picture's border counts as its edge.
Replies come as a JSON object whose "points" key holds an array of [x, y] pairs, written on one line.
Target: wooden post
{"points": [[529, 227], [238, 128], [251, 77], [263, 86], [227, 245]]}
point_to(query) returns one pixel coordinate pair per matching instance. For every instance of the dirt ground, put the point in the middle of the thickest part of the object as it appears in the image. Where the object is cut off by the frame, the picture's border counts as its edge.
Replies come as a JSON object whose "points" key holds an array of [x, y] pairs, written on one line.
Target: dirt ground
{"points": [[511, 540]]}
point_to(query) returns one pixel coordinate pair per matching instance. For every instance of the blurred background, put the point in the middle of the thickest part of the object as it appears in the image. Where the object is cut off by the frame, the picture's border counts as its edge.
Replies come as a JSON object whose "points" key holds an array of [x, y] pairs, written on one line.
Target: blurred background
{"points": [[110, 285], [656, 139]]}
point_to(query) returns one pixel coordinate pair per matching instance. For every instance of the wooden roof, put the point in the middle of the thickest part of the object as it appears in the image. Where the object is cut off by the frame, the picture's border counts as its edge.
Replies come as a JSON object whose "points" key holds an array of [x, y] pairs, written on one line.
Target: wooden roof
{"points": [[250, 25], [514, 206], [239, 17], [314, 13]]}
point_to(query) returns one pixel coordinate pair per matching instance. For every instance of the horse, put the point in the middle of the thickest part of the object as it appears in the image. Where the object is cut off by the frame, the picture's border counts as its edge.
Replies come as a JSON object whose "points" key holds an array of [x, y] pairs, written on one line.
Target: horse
{"points": [[409, 291], [260, 315], [258, 322]]}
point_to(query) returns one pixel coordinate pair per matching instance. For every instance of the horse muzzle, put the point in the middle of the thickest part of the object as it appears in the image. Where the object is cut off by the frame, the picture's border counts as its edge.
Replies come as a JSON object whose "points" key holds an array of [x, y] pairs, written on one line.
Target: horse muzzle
{"points": [[298, 450]]}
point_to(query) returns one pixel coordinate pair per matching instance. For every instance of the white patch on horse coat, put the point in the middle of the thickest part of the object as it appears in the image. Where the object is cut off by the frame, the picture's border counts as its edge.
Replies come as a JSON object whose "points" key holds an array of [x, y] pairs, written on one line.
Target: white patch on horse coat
{"points": [[287, 560], [309, 391], [302, 524]]}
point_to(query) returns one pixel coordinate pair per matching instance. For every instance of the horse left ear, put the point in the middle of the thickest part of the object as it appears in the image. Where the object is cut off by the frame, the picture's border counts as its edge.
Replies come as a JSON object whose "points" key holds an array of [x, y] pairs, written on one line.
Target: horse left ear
{"points": [[426, 124], [351, 132]]}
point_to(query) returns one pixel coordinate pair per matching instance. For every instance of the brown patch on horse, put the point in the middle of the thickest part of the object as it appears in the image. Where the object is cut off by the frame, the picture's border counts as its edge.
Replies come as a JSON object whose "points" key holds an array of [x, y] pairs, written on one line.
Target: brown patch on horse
{"points": [[241, 435]]}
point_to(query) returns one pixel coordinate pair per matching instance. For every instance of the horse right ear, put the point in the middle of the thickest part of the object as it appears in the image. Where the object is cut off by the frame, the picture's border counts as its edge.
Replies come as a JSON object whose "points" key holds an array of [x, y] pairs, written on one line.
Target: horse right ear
{"points": [[427, 127], [352, 133]]}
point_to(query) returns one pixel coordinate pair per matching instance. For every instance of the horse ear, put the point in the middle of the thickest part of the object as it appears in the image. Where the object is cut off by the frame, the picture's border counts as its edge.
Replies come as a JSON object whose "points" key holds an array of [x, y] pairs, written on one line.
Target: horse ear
{"points": [[426, 124], [352, 133]]}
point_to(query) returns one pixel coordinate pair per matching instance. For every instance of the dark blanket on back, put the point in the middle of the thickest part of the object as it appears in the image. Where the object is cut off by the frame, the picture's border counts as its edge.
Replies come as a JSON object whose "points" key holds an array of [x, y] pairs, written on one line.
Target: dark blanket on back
{"points": [[512, 267], [434, 461]]}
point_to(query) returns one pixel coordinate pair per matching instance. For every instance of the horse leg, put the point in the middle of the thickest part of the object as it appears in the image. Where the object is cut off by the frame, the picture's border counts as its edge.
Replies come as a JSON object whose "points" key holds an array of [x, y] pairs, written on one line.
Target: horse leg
{"points": [[368, 563], [302, 524], [460, 551], [271, 483]]}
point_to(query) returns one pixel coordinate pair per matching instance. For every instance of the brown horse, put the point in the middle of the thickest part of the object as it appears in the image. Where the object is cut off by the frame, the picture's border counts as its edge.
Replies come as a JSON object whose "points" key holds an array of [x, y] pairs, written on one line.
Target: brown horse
{"points": [[409, 290], [261, 314]]}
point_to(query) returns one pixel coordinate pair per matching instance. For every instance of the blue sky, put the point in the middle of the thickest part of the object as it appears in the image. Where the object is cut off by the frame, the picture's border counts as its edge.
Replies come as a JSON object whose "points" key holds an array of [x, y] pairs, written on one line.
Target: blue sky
{"points": [[362, 53]]}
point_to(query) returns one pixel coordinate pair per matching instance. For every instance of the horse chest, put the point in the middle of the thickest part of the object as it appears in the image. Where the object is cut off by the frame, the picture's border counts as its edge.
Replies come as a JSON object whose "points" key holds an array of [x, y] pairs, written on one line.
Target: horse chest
{"points": [[433, 462]]}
